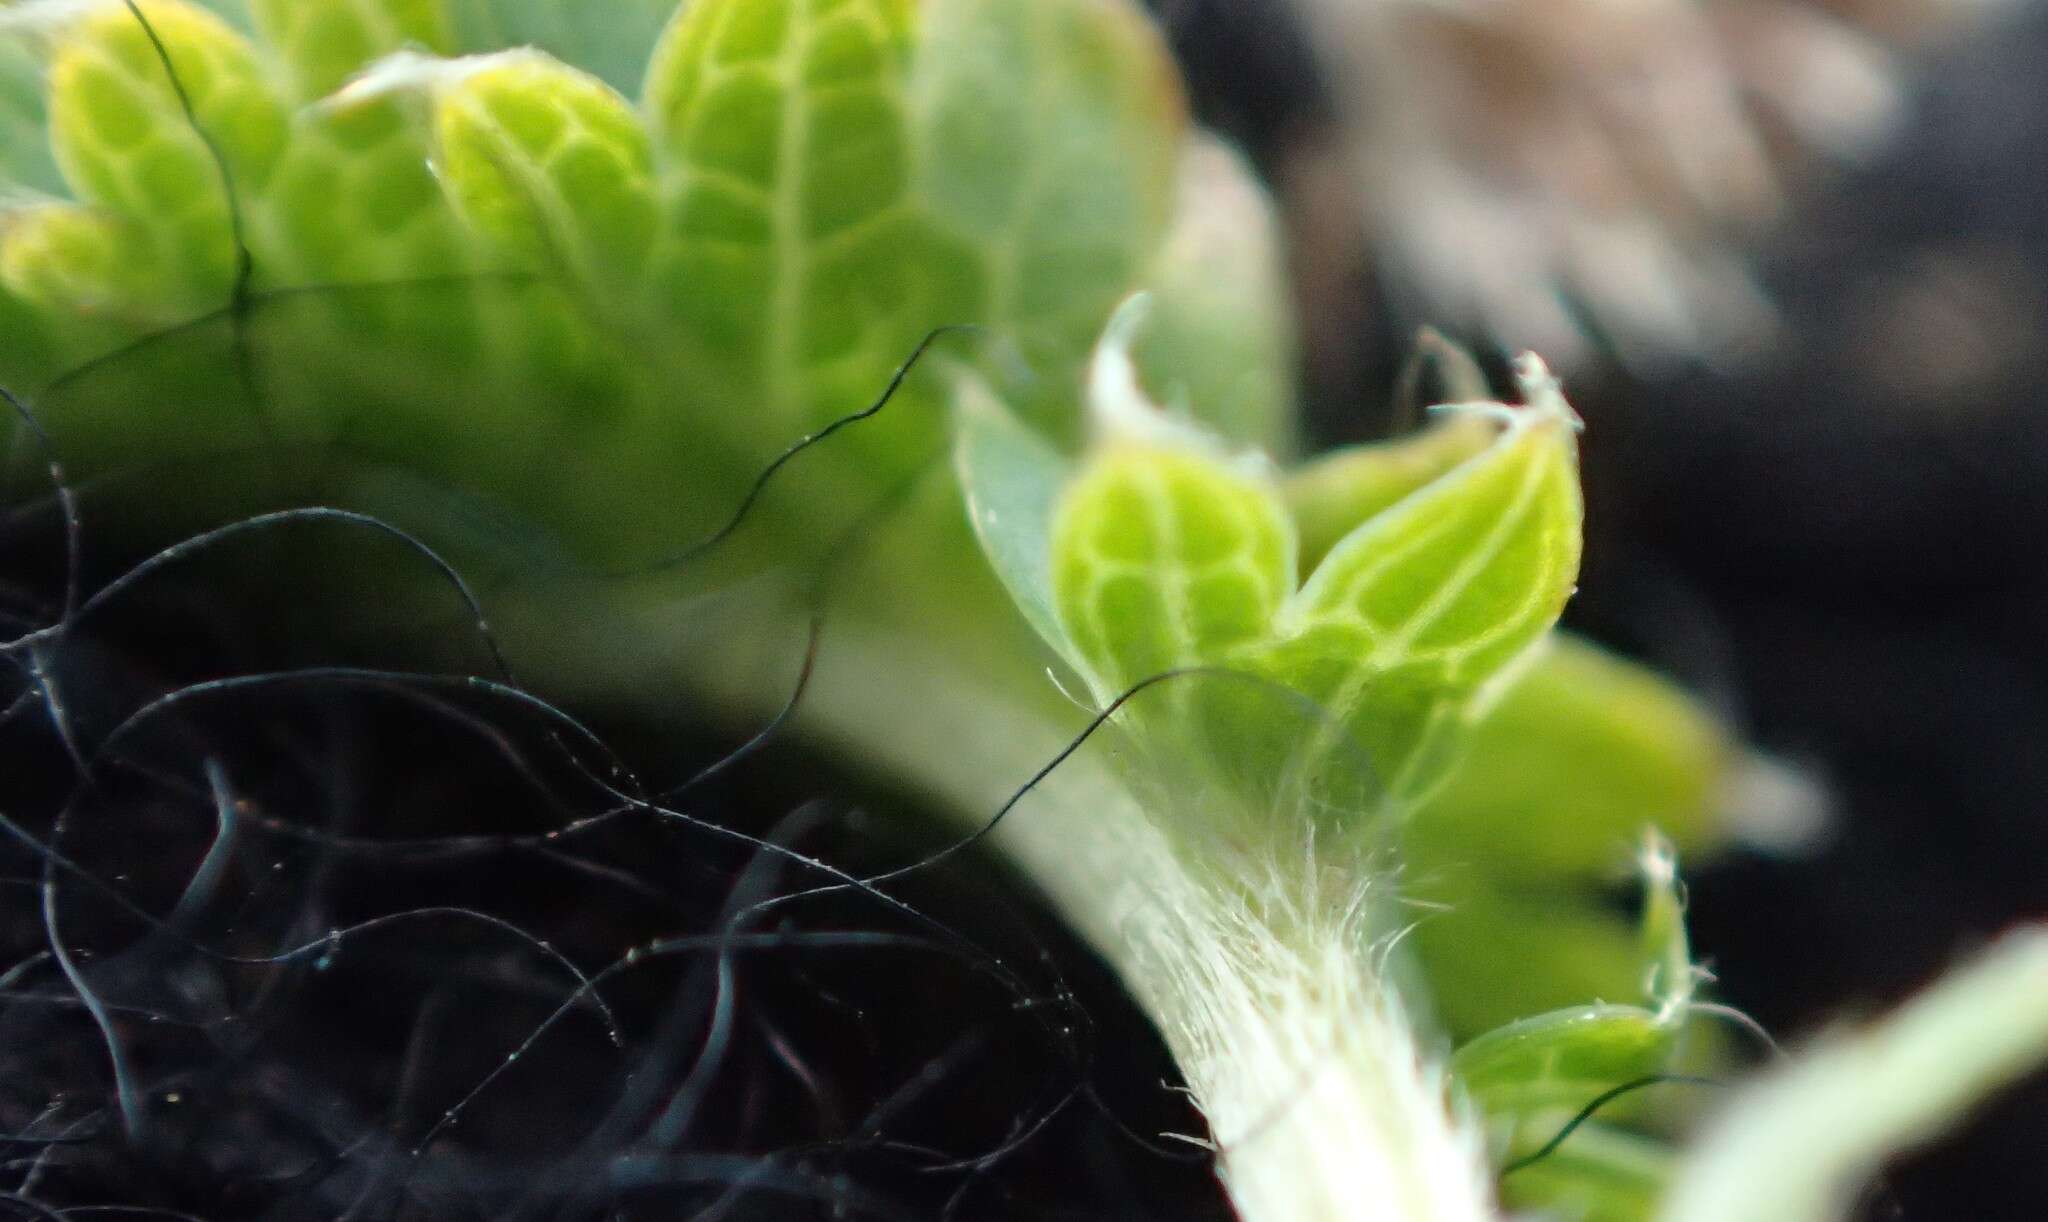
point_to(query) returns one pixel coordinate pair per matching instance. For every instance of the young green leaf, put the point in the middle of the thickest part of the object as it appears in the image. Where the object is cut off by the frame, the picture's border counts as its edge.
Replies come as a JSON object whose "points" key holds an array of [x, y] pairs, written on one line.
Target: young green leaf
{"points": [[354, 201], [1172, 560], [1406, 619], [1667, 951], [1167, 558], [1559, 1061], [793, 256], [1335, 493], [1047, 136], [1012, 480], [72, 257], [842, 177], [119, 133], [1565, 1057], [550, 164], [324, 43], [1537, 1079]]}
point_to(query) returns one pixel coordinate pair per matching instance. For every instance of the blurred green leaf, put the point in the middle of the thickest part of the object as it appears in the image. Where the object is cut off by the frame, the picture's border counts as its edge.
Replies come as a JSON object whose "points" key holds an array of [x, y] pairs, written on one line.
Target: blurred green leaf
{"points": [[1047, 137], [1577, 758], [73, 257], [607, 38], [1012, 480], [1493, 955], [324, 43], [1796, 1146], [26, 164], [1220, 340], [1561, 1060], [1598, 1175]]}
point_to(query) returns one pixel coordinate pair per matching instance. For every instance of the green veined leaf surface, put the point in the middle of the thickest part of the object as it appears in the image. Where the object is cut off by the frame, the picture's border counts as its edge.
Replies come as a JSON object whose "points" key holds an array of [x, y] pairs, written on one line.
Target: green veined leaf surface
{"points": [[551, 165], [120, 136], [1408, 616], [1335, 493]]}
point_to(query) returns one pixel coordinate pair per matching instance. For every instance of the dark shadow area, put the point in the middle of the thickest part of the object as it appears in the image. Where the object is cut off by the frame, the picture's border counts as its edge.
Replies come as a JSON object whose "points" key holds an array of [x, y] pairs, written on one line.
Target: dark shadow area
{"points": [[343, 942]]}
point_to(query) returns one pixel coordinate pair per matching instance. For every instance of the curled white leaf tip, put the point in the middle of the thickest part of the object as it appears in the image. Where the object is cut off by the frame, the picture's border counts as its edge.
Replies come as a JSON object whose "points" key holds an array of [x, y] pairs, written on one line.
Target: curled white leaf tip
{"points": [[1657, 860], [1543, 392], [1776, 806], [1542, 400], [410, 71], [1119, 407], [1117, 402]]}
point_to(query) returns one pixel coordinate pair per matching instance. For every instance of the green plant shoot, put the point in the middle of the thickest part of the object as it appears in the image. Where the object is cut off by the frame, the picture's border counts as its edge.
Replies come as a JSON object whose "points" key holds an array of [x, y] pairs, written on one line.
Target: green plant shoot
{"points": [[553, 285]]}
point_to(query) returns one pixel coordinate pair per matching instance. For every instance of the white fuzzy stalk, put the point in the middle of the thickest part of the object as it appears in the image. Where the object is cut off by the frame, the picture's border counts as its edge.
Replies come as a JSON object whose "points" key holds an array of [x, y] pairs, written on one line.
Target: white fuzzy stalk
{"points": [[1322, 1106]]}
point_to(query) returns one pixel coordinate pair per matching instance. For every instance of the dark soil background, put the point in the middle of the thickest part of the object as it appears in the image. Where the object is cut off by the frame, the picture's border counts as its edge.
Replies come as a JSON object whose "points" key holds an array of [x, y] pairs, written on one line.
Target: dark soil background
{"points": [[315, 914]]}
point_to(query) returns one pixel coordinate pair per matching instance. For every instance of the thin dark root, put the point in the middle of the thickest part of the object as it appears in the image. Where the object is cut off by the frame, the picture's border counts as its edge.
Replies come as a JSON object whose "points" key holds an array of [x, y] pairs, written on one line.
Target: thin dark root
{"points": [[257, 300], [245, 260], [317, 513], [67, 501], [698, 550], [1593, 1107]]}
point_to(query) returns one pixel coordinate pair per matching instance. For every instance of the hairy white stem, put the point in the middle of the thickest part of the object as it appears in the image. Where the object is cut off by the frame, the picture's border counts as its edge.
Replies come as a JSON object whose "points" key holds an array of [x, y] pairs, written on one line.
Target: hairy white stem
{"points": [[1269, 993], [1266, 984], [1322, 1105]]}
